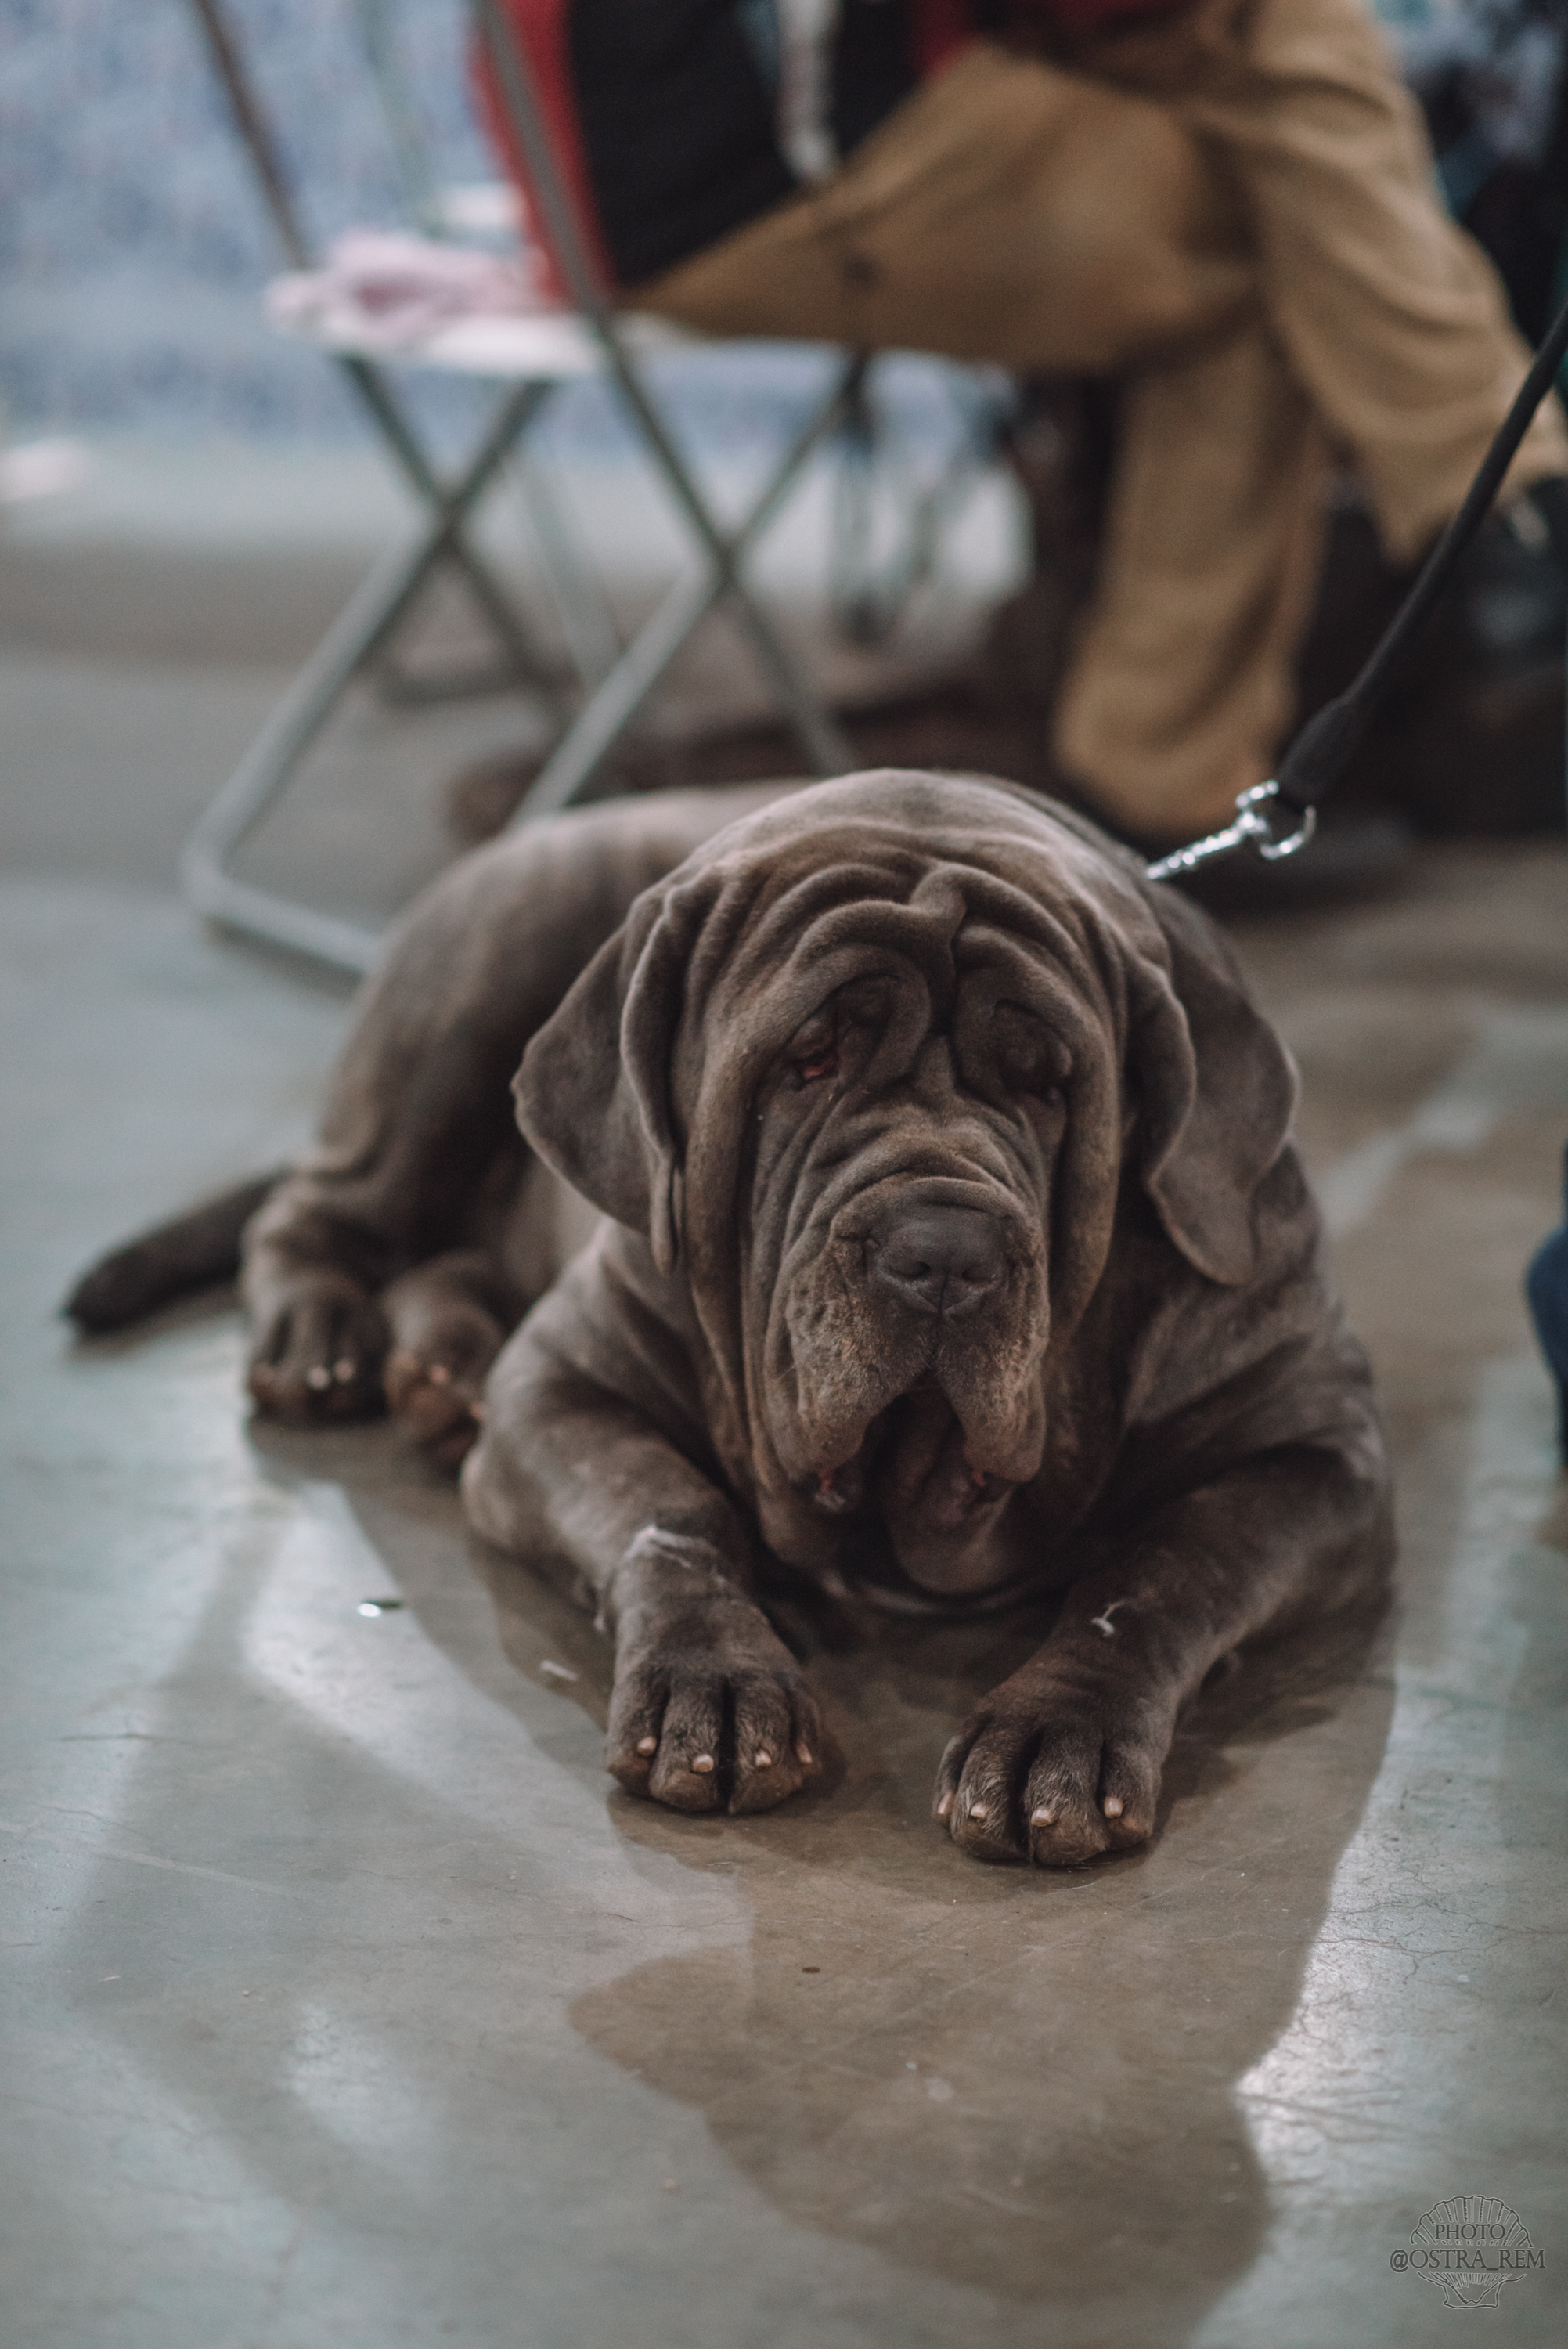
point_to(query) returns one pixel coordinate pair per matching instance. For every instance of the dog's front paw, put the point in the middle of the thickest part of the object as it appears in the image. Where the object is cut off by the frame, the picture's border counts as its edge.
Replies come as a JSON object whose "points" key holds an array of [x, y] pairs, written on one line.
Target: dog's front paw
{"points": [[709, 1711], [1056, 1766], [318, 1352]]}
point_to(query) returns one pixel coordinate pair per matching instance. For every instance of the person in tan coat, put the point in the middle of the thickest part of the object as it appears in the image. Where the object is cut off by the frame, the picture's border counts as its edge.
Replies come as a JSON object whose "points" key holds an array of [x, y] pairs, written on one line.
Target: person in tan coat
{"points": [[1228, 208]]}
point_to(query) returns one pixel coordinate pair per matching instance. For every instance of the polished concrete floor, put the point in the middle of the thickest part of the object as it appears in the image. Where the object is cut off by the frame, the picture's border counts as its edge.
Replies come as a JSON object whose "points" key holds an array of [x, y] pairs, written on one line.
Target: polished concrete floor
{"points": [[348, 2007]]}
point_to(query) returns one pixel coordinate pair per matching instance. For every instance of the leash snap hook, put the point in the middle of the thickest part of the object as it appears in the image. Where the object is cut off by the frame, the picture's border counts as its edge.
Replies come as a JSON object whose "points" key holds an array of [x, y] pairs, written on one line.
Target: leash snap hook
{"points": [[1253, 825], [1249, 813]]}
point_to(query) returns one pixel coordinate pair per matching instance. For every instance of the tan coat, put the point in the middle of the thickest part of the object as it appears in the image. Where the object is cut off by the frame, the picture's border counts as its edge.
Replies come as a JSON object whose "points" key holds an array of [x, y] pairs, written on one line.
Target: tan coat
{"points": [[1233, 212]]}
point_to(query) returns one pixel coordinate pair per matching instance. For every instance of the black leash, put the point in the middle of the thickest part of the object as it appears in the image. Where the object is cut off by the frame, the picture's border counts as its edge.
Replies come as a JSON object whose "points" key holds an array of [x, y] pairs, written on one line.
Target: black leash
{"points": [[1320, 751]]}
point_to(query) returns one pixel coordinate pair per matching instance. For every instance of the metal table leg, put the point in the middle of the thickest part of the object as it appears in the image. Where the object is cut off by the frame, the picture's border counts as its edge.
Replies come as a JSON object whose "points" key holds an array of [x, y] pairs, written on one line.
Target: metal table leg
{"points": [[361, 632], [610, 709]]}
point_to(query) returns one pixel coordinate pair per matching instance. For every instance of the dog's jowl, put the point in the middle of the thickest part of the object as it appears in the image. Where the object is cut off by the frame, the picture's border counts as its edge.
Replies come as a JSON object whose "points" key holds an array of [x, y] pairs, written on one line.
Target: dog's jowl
{"points": [[899, 1198]]}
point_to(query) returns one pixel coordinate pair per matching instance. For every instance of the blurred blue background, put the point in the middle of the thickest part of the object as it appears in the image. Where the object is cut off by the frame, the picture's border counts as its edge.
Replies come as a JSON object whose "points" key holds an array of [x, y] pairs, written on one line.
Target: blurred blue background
{"points": [[134, 244]]}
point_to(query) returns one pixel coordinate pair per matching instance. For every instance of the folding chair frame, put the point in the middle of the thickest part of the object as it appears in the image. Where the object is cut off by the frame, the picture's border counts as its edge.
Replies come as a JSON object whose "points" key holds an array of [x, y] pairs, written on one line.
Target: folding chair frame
{"points": [[363, 634]]}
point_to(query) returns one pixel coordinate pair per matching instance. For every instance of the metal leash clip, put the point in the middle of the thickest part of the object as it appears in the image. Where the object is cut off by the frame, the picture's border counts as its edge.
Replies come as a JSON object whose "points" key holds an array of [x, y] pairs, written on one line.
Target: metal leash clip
{"points": [[1251, 828]]}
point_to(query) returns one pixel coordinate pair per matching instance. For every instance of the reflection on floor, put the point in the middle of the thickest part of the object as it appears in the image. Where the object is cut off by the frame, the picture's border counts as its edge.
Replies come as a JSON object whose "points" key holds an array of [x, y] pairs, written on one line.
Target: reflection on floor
{"points": [[351, 2006]]}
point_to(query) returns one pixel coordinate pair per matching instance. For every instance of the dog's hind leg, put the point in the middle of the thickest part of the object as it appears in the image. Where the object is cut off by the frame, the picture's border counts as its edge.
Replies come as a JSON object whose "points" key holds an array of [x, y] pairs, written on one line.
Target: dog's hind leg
{"points": [[320, 1335], [451, 1316], [448, 1320]]}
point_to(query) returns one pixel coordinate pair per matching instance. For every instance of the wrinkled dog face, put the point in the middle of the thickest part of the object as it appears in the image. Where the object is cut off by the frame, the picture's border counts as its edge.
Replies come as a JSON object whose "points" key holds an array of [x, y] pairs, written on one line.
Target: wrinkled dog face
{"points": [[913, 1144], [904, 1150]]}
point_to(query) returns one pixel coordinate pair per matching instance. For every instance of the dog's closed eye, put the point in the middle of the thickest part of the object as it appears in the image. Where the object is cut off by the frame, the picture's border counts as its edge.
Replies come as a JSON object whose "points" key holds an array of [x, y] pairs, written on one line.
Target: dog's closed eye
{"points": [[1029, 1056], [814, 1050]]}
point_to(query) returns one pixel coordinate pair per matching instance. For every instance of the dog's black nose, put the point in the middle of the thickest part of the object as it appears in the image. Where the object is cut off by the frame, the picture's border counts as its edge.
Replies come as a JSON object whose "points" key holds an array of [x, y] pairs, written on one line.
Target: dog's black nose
{"points": [[937, 1259]]}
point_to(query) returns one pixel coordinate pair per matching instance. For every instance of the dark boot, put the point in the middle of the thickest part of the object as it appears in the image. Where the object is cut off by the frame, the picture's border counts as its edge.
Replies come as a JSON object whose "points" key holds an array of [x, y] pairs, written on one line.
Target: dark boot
{"points": [[1546, 1286]]}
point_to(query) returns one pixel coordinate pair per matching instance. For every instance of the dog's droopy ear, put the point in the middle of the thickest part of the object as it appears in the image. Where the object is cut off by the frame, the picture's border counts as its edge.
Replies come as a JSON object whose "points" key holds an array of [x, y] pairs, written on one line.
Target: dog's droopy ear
{"points": [[1217, 1092], [593, 1091]]}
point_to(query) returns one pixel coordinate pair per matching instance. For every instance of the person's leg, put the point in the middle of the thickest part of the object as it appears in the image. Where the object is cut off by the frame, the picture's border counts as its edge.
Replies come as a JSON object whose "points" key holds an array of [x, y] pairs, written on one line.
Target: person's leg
{"points": [[1179, 688], [1009, 212], [1391, 318], [1019, 213]]}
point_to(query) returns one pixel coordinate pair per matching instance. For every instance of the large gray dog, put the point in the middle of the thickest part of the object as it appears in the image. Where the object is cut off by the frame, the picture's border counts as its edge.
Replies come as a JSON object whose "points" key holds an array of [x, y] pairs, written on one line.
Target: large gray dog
{"points": [[952, 1249]]}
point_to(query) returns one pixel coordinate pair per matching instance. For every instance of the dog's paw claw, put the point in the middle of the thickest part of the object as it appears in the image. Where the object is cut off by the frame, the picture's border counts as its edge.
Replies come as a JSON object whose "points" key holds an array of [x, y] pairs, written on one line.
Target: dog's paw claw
{"points": [[1053, 1774], [689, 1732]]}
